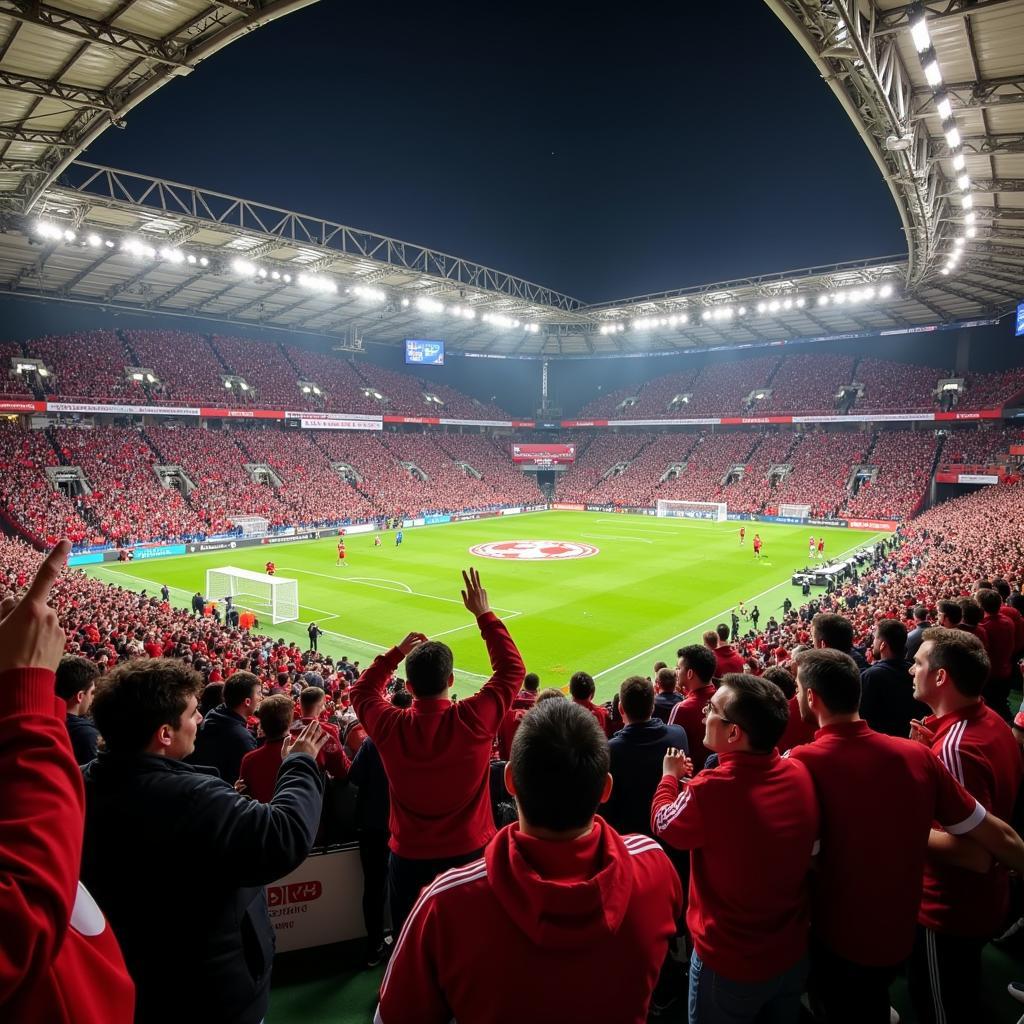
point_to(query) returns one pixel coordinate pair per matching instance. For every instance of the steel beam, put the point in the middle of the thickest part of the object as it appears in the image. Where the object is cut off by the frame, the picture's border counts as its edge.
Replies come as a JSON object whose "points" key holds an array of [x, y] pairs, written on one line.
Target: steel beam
{"points": [[75, 95]]}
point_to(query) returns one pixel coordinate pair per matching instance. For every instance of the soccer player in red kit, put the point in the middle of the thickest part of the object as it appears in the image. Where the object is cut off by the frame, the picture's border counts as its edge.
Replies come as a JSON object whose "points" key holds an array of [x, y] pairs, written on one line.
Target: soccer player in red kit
{"points": [[270, 568], [743, 533], [961, 910], [341, 551], [555, 896], [879, 797], [821, 547], [757, 545]]}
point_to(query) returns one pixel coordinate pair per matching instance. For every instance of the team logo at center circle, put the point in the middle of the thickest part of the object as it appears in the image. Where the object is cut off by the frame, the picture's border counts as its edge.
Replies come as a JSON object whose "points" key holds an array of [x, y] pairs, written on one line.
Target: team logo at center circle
{"points": [[533, 550]]}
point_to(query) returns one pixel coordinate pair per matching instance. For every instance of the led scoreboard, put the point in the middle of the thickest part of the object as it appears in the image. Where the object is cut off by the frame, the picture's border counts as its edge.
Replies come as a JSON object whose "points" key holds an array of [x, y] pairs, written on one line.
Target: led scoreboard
{"points": [[423, 352], [543, 456]]}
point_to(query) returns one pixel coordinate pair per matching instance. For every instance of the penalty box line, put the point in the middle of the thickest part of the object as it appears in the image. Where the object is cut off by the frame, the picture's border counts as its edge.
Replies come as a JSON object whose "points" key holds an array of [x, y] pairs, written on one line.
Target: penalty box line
{"points": [[717, 617]]}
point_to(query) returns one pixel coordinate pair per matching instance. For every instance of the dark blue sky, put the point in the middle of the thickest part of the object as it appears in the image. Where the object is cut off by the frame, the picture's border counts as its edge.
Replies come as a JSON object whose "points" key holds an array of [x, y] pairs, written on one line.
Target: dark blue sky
{"points": [[604, 158]]}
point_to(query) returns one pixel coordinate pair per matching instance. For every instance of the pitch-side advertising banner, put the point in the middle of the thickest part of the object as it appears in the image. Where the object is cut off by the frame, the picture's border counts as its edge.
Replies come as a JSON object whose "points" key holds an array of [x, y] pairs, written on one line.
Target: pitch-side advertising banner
{"points": [[321, 423], [90, 408]]}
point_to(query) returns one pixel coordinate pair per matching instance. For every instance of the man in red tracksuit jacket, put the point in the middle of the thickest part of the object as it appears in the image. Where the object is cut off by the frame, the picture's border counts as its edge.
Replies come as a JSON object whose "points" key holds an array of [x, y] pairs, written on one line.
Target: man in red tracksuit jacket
{"points": [[555, 897], [59, 960], [436, 753]]}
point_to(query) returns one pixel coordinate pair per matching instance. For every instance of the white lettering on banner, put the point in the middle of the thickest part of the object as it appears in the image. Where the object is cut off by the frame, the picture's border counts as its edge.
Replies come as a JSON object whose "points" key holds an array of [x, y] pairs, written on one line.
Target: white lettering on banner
{"points": [[888, 417], [318, 423], [698, 421], [977, 478], [124, 410], [308, 414], [476, 423]]}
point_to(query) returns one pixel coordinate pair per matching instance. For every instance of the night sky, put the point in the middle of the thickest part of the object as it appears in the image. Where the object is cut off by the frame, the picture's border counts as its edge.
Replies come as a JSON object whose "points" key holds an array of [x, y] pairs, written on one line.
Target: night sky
{"points": [[603, 158]]}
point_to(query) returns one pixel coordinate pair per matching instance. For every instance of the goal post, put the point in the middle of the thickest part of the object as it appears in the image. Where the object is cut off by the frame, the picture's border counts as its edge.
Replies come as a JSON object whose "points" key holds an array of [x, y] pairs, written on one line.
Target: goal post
{"points": [[795, 511], [276, 596], [714, 510], [251, 526]]}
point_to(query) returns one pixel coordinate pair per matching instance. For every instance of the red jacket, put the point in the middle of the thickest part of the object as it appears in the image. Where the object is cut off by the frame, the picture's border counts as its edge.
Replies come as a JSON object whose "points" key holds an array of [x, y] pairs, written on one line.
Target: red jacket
{"points": [[797, 730], [998, 635], [59, 959], [689, 713], [436, 753], [550, 912], [728, 659], [751, 823]]}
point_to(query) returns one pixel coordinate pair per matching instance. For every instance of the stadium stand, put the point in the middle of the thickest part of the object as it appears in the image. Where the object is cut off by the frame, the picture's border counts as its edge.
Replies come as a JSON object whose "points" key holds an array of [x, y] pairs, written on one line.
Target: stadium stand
{"points": [[905, 460], [821, 470], [895, 387]]}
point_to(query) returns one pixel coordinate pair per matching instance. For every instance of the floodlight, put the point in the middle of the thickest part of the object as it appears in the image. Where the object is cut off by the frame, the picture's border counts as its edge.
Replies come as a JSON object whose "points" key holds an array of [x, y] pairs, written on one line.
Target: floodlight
{"points": [[967, 201], [969, 218], [287, 278], [800, 302], [706, 315], [963, 182], [944, 108], [109, 244], [261, 272], [959, 162], [190, 259], [919, 33], [822, 300], [945, 271], [773, 306], [243, 267], [932, 73], [275, 275], [953, 137], [405, 302], [885, 291], [742, 311], [869, 293], [95, 241], [203, 261], [761, 307], [787, 304], [839, 298], [958, 242], [69, 235], [971, 232]]}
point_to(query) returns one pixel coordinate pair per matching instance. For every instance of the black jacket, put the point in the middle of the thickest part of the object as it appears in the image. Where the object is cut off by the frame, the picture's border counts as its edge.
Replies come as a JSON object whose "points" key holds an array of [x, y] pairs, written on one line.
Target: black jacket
{"points": [[373, 802], [222, 742], [636, 754], [84, 737], [177, 860], [914, 640], [887, 701], [664, 703]]}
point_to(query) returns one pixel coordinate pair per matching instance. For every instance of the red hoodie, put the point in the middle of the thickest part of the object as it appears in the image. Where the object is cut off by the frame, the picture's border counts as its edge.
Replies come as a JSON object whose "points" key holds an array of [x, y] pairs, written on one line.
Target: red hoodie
{"points": [[59, 960], [553, 912]]}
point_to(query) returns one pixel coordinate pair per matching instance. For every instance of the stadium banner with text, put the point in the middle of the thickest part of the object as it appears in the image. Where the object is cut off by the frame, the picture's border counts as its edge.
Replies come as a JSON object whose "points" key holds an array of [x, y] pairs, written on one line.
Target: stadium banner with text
{"points": [[429, 420], [317, 904], [217, 413], [485, 423], [561, 506], [88, 558], [979, 414], [977, 478], [880, 525], [140, 554], [337, 423], [89, 408], [11, 405], [543, 454], [436, 520]]}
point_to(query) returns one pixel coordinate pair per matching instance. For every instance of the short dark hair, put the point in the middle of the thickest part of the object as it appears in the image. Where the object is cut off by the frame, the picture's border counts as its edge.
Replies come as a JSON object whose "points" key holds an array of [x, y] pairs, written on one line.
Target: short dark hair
{"points": [[833, 676], [758, 707], [581, 686], [989, 600], [782, 678], [551, 693], [701, 660], [835, 630], [428, 668], [531, 682], [211, 697], [723, 632], [636, 698], [1002, 588], [238, 687], [310, 697], [972, 613], [963, 657], [559, 765], [894, 633], [920, 613], [74, 675], [952, 611], [666, 679], [138, 697], [276, 714], [401, 699]]}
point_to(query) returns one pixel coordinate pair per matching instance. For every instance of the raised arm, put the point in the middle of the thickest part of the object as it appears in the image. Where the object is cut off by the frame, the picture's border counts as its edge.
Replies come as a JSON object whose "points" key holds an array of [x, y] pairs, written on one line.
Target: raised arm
{"points": [[368, 700]]}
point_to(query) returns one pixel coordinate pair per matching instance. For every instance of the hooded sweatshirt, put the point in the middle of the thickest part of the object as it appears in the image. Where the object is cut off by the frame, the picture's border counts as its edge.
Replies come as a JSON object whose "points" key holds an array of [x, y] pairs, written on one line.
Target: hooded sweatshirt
{"points": [[59, 959], [558, 913]]}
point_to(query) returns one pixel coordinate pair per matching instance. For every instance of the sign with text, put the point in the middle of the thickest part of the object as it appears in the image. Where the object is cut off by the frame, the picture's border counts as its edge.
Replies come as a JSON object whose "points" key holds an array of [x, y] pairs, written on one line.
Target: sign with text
{"points": [[423, 352], [543, 454]]}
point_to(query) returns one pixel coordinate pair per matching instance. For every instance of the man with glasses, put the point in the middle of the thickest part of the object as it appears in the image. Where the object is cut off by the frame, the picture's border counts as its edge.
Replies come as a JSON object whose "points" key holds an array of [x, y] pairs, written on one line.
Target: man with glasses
{"points": [[751, 825]]}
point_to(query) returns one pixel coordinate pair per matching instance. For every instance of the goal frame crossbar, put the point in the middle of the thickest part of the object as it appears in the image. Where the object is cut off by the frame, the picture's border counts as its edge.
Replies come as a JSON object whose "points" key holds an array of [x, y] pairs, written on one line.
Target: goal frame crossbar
{"points": [[278, 594], [718, 511]]}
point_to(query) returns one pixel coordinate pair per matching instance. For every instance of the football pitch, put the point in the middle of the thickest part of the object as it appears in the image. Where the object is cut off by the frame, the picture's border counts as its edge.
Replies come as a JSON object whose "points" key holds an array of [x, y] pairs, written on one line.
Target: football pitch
{"points": [[644, 587]]}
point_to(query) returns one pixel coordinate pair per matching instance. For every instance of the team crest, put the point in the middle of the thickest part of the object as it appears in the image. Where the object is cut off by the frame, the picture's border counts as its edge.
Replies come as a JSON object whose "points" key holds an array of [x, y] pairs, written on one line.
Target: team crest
{"points": [[533, 550]]}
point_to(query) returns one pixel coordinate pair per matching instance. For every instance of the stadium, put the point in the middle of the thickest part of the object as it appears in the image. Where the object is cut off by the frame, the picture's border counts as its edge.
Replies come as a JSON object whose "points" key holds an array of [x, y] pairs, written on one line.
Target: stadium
{"points": [[270, 444]]}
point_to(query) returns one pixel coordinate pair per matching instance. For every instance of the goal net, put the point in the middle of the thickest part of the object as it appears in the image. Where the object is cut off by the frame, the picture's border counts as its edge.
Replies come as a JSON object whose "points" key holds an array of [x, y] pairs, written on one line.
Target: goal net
{"points": [[715, 510], [275, 596], [795, 511], [252, 526]]}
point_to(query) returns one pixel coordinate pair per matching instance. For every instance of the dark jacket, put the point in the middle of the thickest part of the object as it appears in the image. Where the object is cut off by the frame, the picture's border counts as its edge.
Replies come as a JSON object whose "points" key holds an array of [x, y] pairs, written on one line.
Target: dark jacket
{"points": [[636, 754], [84, 737], [222, 742], [887, 698], [664, 703], [177, 860], [198, 604], [915, 638], [373, 805]]}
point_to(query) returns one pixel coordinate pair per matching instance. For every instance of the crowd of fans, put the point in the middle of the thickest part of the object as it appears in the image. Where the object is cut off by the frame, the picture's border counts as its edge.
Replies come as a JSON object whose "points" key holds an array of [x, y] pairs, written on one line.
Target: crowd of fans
{"points": [[895, 387], [750, 493], [808, 382], [703, 801], [904, 459]]}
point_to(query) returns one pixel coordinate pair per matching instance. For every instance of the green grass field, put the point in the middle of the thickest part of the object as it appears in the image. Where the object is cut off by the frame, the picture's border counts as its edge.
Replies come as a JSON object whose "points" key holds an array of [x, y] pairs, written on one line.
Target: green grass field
{"points": [[654, 585]]}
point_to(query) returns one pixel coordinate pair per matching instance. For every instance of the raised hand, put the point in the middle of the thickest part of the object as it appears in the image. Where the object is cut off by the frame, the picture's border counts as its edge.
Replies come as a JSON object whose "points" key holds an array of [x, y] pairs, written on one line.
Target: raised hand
{"points": [[474, 597], [309, 741], [30, 635], [676, 763], [921, 733], [411, 642]]}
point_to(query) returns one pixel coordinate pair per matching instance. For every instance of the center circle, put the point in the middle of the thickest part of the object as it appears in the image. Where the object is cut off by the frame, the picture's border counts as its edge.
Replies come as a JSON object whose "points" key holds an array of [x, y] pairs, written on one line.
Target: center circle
{"points": [[533, 550]]}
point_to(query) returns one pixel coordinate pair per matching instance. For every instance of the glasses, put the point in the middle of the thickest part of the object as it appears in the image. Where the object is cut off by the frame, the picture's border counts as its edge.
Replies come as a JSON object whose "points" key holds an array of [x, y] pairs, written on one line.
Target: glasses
{"points": [[709, 707]]}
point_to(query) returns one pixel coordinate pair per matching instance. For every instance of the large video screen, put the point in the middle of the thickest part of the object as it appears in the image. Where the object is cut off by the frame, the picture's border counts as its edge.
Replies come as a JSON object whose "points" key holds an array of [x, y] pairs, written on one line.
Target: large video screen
{"points": [[543, 454], [423, 352]]}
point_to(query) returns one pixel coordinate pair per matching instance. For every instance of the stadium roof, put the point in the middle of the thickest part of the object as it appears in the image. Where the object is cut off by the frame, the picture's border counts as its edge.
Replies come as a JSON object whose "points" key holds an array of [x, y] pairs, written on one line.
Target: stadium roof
{"points": [[79, 232]]}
